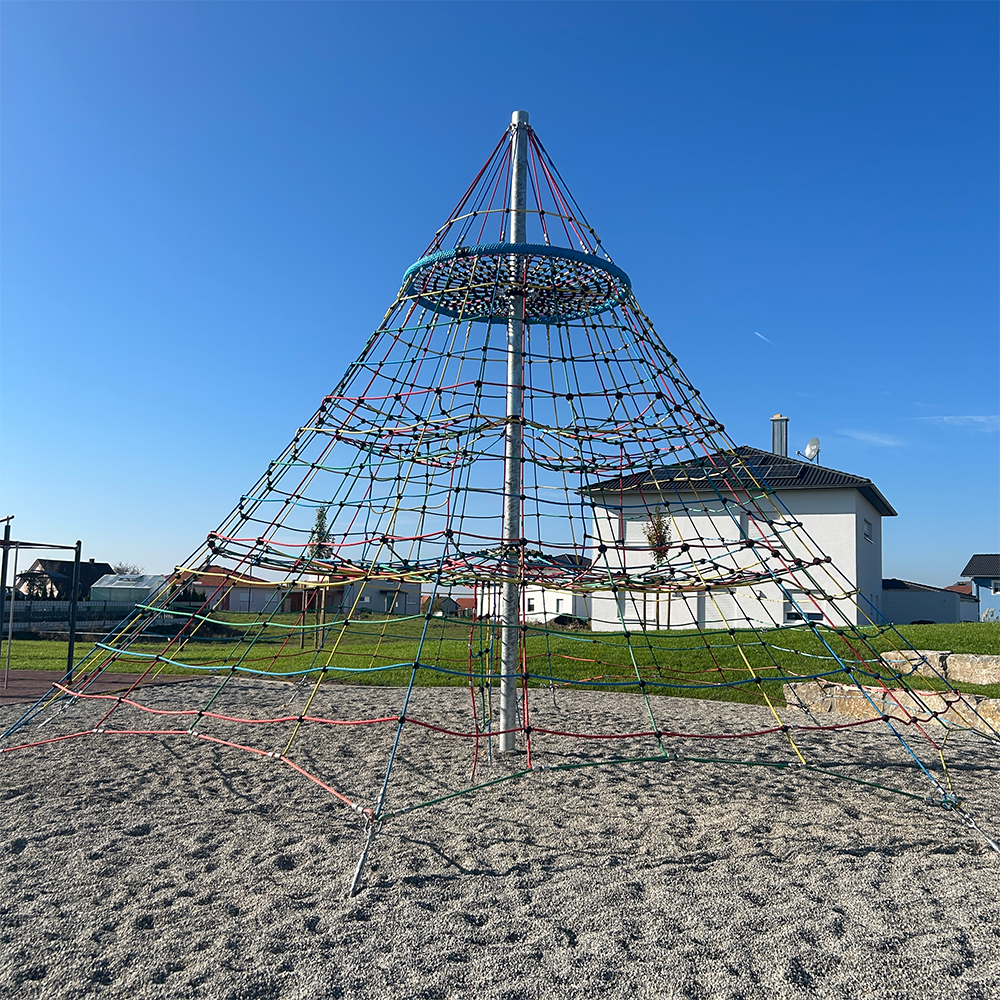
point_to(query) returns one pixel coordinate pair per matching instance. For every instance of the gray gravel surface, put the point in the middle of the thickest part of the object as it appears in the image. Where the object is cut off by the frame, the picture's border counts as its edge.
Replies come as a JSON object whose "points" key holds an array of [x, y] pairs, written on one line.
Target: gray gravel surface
{"points": [[168, 866]]}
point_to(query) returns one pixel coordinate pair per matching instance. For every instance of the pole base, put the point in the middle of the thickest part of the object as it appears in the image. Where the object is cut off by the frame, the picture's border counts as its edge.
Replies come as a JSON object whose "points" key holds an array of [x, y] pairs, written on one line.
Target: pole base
{"points": [[356, 881]]}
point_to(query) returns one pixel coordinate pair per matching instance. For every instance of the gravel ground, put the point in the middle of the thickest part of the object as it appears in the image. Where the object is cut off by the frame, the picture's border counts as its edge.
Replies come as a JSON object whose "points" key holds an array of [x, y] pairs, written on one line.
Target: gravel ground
{"points": [[168, 866]]}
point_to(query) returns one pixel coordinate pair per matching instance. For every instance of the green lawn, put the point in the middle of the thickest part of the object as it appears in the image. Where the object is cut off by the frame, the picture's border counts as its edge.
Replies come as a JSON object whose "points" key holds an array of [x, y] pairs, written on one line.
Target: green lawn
{"points": [[720, 665]]}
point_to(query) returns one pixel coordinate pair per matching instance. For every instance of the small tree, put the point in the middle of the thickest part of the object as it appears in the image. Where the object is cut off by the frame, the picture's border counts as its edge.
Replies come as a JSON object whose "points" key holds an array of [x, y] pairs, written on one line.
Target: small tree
{"points": [[658, 535], [37, 586], [127, 568], [319, 547]]}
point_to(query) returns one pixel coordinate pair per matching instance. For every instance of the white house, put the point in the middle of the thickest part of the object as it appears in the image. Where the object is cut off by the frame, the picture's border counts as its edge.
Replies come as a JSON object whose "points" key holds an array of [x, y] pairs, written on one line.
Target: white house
{"points": [[542, 602], [741, 537]]}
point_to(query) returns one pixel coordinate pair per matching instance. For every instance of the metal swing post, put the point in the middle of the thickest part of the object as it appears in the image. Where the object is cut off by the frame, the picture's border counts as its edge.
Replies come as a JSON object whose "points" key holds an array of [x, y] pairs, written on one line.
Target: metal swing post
{"points": [[510, 596]]}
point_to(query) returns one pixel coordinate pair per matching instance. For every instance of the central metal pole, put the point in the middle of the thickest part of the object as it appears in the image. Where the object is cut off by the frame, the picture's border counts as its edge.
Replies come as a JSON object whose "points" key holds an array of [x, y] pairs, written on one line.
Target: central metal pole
{"points": [[510, 596]]}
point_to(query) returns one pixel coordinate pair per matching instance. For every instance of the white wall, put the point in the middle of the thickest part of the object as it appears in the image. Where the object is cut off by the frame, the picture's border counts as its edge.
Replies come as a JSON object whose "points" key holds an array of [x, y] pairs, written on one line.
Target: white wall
{"points": [[869, 561], [806, 523], [543, 604], [539, 604]]}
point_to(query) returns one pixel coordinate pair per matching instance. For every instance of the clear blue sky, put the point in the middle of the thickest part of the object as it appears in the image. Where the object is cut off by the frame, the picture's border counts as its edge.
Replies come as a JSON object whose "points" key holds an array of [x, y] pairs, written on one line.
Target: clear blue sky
{"points": [[208, 207]]}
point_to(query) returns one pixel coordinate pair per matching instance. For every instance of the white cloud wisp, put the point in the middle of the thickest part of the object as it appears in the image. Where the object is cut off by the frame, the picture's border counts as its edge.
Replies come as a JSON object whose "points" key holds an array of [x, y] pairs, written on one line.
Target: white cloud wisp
{"points": [[874, 438], [980, 423]]}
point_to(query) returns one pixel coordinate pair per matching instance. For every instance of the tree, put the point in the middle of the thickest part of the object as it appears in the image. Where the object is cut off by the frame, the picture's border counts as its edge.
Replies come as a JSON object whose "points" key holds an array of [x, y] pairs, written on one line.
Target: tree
{"points": [[126, 568], [658, 535], [320, 536], [36, 586]]}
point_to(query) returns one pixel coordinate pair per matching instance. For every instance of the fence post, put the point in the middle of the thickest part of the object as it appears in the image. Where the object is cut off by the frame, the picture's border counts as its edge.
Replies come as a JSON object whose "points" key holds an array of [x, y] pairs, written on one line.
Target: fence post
{"points": [[3, 572], [74, 597]]}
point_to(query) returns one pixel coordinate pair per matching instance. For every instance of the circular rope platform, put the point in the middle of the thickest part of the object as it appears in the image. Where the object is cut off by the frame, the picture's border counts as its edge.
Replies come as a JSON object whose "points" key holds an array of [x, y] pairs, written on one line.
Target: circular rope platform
{"points": [[560, 284]]}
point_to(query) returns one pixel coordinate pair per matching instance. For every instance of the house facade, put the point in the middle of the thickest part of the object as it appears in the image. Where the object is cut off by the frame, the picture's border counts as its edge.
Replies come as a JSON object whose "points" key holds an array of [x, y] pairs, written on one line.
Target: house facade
{"points": [[541, 603], [984, 571], [696, 525]]}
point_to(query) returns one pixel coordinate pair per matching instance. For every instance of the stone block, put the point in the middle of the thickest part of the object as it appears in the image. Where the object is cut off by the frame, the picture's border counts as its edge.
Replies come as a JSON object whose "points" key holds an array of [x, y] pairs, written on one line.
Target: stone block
{"points": [[989, 711], [928, 708], [928, 662], [808, 694], [973, 668]]}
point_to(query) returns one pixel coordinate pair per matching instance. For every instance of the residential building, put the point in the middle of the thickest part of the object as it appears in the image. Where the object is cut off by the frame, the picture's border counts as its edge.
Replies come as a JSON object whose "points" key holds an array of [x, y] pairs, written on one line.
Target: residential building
{"points": [[541, 602], [984, 569], [907, 603], [226, 590], [442, 606], [52, 579], [709, 506]]}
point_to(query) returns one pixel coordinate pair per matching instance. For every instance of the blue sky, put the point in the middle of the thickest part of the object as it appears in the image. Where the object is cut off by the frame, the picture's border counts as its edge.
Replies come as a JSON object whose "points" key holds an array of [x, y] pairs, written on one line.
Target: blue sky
{"points": [[207, 208]]}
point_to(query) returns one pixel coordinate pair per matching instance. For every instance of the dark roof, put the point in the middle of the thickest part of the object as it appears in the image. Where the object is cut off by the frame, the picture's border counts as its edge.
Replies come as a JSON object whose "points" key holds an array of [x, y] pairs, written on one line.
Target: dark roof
{"points": [[983, 566], [894, 584], [745, 468], [60, 572], [572, 560]]}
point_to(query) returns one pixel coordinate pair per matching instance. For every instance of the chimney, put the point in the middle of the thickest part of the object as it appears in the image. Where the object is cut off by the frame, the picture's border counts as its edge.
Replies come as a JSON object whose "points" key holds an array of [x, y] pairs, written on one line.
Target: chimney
{"points": [[779, 435]]}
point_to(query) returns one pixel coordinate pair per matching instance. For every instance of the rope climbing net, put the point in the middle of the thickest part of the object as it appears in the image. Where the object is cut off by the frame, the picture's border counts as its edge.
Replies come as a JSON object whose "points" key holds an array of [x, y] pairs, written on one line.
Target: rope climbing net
{"points": [[516, 491]]}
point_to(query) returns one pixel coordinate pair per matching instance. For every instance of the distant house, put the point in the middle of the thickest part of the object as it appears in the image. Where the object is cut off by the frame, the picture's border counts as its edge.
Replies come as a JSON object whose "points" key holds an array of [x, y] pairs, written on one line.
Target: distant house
{"points": [[126, 587], [446, 606], [543, 603], [906, 603], [227, 590], [52, 579], [715, 498], [383, 597], [984, 569], [466, 607]]}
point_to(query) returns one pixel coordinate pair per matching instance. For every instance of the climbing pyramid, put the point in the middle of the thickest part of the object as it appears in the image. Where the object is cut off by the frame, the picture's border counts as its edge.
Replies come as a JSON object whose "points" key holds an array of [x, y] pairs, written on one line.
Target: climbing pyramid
{"points": [[515, 492]]}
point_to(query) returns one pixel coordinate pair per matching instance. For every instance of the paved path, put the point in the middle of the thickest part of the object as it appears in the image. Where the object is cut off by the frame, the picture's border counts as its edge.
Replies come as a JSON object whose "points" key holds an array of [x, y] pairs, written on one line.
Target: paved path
{"points": [[27, 686]]}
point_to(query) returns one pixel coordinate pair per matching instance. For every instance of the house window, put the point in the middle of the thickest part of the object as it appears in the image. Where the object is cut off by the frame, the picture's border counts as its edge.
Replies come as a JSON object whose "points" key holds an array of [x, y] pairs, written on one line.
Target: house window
{"points": [[635, 530], [531, 604], [367, 599], [798, 608], [868, 532], [558, 605]]}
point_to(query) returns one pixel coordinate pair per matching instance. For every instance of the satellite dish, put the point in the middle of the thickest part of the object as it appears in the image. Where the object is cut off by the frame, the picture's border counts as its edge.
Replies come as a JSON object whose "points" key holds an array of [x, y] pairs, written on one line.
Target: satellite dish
{"points": [[812, 449]]}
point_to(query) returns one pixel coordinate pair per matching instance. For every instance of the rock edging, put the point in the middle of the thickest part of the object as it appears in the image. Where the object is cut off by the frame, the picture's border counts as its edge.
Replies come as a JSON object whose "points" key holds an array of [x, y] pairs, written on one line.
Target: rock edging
{"points": [[901, 705], [965, 668]]}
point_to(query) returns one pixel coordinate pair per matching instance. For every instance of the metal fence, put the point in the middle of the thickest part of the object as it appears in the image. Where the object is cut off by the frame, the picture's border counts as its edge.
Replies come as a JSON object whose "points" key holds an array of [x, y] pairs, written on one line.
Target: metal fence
{"points": [[36, 616]]}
